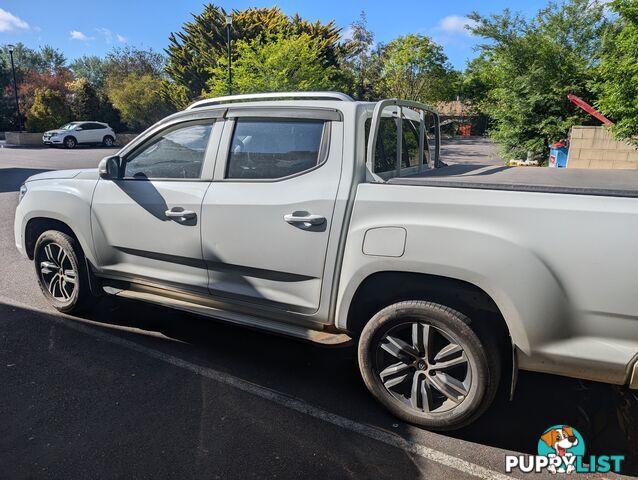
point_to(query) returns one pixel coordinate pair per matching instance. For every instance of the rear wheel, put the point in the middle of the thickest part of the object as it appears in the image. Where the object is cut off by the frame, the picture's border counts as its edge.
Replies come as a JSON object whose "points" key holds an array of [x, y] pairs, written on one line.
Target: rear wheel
{"points": [[108, 141], [62, 275], [425, 363], [70, 142]]}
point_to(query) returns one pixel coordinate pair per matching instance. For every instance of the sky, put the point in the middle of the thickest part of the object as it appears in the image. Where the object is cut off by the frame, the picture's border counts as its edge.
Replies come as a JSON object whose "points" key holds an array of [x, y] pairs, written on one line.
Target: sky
{"points": [[93, 28]]}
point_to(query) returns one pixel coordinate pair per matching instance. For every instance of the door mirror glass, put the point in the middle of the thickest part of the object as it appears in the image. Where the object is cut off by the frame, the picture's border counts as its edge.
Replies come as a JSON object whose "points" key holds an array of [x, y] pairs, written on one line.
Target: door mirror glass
{"points": [[109, 167]]}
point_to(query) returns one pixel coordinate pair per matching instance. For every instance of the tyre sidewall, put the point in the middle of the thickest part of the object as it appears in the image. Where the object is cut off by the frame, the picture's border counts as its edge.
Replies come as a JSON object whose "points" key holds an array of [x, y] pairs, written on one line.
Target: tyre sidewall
{"points": [[454, 324]]}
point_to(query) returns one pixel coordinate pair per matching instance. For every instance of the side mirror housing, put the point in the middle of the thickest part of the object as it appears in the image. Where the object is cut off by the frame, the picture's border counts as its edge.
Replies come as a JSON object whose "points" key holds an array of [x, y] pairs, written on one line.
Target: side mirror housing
{"points": [[109, 167], [78, 129]]}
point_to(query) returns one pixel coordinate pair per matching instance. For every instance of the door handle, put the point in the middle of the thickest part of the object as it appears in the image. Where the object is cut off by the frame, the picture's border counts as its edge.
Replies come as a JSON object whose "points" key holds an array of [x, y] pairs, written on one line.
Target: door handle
{"points": [[307, 220], [179, 214]]}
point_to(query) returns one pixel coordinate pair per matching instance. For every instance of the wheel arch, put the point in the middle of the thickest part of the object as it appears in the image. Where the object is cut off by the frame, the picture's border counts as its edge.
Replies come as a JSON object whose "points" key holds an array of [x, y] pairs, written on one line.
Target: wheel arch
{"points": [[374, 293], [37, 226]]}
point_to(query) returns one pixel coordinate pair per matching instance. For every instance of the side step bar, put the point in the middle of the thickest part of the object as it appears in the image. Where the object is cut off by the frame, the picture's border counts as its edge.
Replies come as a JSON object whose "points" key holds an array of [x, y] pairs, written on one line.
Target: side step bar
{"points": [[287, 329]]}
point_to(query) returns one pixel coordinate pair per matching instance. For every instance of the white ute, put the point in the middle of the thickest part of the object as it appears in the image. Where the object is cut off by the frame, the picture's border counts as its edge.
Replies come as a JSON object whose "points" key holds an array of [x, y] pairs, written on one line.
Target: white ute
{"points": [[315, 216]]}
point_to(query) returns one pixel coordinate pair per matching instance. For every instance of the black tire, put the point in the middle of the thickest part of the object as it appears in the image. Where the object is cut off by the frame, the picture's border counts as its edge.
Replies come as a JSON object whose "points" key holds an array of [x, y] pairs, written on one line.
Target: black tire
{"points": [[425, 372], [70, 142], [108, 141], [53, 269]]}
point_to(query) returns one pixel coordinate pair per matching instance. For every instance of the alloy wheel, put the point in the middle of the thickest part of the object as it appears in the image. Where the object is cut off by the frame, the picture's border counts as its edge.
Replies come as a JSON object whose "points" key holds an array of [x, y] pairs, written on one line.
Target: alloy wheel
{"points": [[57, 272], [423, 367]]}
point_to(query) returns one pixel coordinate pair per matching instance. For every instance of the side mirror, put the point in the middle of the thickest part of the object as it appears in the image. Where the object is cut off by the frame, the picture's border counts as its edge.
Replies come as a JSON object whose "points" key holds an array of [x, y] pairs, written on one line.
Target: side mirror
{"points": [[109, 167], [78, 129]]}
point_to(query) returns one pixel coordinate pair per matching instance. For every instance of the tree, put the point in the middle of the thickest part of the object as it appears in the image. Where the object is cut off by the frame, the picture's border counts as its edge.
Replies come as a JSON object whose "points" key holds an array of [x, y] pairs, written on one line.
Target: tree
{"points": [[527, 68], [138, 99], [618, 88], [414, 67], [83, 100], [91, 69], [49, 110], [357, 59], [133, 84], [124, 61], [47, 80], [284, 64], [202, 44]]}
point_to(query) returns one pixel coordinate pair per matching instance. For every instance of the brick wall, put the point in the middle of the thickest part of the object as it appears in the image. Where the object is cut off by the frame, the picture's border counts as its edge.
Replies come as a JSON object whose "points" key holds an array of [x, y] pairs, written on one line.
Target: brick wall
{"points": [[594, 147]]}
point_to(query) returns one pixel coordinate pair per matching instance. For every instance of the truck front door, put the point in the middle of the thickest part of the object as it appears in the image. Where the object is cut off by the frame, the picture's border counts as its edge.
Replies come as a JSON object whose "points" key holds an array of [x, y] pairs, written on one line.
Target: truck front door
{"points": [[147, 224]]}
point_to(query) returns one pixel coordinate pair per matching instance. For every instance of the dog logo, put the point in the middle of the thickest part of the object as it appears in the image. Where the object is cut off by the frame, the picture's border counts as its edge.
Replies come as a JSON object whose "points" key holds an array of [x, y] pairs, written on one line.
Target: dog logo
{"points": [[561, 449], [562, 444]]}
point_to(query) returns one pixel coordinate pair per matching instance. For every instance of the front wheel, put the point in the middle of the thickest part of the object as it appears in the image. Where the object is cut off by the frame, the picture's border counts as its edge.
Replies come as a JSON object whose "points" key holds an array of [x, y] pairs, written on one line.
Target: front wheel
{"points": [[425, 363], [62, 275], [70, 142]]}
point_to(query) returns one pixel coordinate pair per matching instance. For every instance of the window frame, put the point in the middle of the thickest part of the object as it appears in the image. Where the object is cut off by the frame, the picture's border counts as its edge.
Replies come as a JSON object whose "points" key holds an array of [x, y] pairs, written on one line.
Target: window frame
{"points": [[211, 148], [265, 115]]}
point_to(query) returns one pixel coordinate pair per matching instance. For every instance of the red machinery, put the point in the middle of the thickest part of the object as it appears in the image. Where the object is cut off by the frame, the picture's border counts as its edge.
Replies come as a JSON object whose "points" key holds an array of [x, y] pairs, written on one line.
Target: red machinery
{"points": [[579, 102]]}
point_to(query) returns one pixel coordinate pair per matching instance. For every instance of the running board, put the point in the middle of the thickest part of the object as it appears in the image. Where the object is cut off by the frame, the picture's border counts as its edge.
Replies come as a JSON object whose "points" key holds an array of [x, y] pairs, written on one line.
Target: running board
{"points": [[287, 329]]}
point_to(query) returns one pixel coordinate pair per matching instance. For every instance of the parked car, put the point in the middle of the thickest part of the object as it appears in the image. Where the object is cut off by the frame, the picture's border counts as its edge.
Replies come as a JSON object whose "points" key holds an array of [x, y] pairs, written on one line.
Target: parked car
{"points": [[318, 217], [76, 133]]}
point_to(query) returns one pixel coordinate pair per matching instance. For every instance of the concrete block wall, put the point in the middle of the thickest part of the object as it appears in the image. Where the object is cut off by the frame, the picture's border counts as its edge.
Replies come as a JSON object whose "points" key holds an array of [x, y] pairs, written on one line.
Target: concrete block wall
{"points": [[595, 147]]}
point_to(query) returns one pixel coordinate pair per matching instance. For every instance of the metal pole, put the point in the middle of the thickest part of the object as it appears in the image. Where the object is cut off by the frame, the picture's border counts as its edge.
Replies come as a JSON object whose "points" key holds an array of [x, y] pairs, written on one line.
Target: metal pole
{"points": [[230, 78], [15, 90]]}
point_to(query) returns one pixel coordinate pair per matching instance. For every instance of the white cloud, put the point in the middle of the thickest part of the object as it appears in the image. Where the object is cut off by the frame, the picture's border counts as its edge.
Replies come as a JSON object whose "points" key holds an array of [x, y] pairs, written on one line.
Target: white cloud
{"points": [[77, 35], [10, 23], [120, 38], [455, 25]]}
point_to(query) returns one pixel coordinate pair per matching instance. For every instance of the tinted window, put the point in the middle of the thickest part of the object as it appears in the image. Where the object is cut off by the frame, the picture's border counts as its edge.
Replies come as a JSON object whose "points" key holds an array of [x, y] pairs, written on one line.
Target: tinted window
{"points": [[267, 148], [175, 153], [95, 126]]}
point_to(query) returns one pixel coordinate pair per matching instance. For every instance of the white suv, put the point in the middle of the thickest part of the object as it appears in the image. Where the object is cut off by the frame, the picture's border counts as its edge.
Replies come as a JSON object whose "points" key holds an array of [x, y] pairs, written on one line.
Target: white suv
{"points": [[74, 133]]}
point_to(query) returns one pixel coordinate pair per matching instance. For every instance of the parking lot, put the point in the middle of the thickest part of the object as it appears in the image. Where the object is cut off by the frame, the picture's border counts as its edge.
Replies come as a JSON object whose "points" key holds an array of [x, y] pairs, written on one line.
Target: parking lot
{"points": [[137, 391]]}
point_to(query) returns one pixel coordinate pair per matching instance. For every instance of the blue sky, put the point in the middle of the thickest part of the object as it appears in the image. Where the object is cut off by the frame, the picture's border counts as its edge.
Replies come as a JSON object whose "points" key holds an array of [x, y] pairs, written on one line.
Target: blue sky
{"points": [[92, 27]]}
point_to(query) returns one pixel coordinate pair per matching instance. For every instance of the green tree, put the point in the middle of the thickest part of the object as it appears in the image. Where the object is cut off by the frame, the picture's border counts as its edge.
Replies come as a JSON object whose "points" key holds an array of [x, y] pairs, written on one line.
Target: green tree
{"points": [[138, 99], [618, 88], [195, 52], [49, 110], [414, 67], [284, 64], [83, 100], [124, 61], [91, 69], [358, 61], [527, 68]]}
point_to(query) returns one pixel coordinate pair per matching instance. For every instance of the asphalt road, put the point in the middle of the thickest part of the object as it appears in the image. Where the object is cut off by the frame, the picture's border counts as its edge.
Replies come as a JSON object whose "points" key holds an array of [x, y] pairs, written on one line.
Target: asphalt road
{"points": [[136, 391]]}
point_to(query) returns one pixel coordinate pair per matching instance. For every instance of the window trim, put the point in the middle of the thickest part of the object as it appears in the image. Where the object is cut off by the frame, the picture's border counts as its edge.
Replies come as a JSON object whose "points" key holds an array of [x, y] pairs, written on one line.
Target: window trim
{"points": [[322, 156], [210, 148]]}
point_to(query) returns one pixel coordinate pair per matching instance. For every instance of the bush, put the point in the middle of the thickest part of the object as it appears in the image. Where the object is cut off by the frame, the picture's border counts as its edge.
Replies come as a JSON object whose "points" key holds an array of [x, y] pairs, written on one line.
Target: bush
{"points": [[49, 110]]}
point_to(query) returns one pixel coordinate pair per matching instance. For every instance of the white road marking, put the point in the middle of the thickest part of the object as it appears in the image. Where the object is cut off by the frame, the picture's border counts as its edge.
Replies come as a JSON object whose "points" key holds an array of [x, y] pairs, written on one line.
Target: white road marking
{"points": [[391, 439]]}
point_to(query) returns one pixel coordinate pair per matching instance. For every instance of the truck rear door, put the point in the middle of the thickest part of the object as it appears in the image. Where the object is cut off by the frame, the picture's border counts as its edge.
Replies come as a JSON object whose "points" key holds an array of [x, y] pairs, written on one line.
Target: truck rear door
{"points": [[267, 216]]}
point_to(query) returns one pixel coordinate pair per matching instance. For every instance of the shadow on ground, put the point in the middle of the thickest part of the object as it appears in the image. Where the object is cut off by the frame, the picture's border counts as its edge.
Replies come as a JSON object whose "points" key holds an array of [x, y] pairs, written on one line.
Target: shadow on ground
{"points": [[12, 178], [540, 400]]}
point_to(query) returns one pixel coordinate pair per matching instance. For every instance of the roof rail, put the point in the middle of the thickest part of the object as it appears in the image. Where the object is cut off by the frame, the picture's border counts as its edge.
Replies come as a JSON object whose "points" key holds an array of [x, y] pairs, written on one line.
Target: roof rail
{"points": [[271, 96]]}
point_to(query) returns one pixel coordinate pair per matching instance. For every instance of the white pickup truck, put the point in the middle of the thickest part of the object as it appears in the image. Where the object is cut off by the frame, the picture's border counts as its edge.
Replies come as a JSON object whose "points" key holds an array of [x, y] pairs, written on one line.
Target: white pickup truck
{"points": [[318, 217]]}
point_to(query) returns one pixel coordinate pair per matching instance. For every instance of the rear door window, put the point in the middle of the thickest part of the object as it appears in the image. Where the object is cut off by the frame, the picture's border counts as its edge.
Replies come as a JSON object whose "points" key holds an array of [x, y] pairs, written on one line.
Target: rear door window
{"points": [[275, 148]]}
